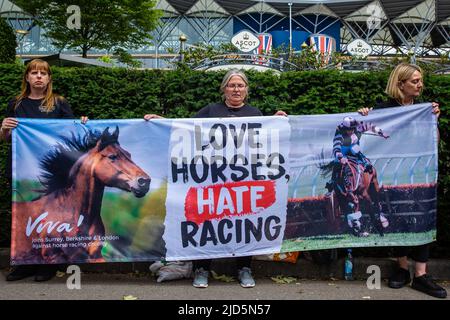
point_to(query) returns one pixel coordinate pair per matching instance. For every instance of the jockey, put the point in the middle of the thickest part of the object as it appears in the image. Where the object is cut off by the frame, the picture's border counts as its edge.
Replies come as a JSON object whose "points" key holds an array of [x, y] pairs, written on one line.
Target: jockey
{"points": [[346, 144]]}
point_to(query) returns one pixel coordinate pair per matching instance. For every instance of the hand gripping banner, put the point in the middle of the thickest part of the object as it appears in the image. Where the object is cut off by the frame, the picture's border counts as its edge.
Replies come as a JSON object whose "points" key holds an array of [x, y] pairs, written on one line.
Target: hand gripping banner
{"points": [[132, 190]]}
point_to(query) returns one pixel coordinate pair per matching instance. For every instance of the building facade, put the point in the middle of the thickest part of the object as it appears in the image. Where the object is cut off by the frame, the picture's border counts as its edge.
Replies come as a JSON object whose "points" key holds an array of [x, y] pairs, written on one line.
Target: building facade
{"points": [[390, 26]]}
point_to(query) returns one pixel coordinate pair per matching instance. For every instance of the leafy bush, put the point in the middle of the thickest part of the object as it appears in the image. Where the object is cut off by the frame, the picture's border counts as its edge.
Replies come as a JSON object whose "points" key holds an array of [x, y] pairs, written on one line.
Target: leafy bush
{"points": [[7, 43]]}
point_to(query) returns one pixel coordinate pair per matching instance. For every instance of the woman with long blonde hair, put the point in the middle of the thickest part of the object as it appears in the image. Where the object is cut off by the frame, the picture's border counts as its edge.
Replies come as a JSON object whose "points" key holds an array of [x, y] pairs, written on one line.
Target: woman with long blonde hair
{"points": [[404, 87], [36, 100]]}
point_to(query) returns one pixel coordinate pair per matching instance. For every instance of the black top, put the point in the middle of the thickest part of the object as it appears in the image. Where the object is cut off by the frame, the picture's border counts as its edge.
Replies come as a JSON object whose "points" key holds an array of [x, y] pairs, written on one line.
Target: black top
{"points": [[391, 102], [221, 110], [31, 108]]}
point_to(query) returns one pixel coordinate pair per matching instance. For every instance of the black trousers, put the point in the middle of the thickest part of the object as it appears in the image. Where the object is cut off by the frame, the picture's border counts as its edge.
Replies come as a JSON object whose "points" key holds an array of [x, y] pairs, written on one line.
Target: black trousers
{"points": [[241, 262], [417, 253]]}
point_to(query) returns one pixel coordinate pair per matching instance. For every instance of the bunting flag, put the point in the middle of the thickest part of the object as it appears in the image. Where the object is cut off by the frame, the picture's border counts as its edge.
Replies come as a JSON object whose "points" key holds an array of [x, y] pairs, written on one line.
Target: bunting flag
{"points": [[323, 45]]}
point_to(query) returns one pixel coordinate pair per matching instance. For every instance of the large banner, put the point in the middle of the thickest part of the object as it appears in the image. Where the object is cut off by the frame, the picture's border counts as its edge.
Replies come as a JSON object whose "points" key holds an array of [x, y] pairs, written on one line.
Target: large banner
{"points": [[132, 190]]}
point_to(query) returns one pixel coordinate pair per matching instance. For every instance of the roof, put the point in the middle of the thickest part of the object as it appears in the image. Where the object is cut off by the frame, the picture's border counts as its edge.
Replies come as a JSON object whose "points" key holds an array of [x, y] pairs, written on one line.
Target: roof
{"points": [[397, 16], [8, 6], [403, 22], [341, 8]]}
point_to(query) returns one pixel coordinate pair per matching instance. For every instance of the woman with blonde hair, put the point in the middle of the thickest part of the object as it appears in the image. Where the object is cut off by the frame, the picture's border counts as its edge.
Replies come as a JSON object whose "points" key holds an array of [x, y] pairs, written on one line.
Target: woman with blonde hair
{"points": [[36, 100], [404, 87]]}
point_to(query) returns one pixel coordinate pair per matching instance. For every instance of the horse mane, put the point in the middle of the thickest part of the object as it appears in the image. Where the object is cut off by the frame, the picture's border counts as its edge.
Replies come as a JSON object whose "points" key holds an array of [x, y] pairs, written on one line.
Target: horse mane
{"points": [[325, 167], [57, 163]]}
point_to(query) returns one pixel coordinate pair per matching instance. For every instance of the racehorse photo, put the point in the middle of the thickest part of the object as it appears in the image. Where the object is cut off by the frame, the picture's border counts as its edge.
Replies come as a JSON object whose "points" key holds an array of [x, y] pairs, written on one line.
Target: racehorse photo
{"points": [[75, 174], [354, 187]]}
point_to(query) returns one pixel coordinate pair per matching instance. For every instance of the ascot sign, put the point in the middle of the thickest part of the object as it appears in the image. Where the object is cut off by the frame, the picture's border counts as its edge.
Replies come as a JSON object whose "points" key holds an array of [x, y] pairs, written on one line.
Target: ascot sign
{"points": [[245, 41], [359, 47]]}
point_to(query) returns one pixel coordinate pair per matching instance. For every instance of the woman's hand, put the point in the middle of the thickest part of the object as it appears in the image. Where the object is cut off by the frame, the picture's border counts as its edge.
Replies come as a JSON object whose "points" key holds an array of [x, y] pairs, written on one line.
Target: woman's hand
{"points": [[152, 116], [281, 113], [364, 111], [84, 119], [436, 109], [9, 123]]}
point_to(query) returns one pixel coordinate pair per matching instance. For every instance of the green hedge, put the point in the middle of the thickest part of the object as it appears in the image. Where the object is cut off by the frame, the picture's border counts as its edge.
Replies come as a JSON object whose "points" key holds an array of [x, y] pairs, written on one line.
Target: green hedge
{"points": [[119, 93], [7, 43]]}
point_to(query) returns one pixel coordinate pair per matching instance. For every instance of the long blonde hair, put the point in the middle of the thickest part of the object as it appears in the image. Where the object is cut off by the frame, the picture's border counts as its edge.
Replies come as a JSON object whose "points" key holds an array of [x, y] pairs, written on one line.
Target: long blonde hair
{"points": [[50, 98], [401, 72]]}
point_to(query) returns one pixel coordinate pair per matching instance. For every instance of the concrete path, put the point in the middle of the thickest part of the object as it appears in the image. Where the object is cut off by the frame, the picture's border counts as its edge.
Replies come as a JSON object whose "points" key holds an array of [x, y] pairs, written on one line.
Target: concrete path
{"points": [[98, 286]]}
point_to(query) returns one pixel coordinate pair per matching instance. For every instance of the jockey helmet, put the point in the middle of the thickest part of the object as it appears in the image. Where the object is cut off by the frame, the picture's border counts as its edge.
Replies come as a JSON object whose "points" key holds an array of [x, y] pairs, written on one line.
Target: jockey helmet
{"points": [[349, 123]]}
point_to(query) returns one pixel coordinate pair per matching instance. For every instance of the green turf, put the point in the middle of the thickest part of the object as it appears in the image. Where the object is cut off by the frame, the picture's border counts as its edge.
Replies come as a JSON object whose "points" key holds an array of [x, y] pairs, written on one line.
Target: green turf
{"points": [[348, 240]]}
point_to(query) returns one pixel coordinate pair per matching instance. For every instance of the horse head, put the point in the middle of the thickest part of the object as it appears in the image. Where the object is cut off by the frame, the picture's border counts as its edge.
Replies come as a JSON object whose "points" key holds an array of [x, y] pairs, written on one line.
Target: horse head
{"points": [[347, 191], [114, 167]]}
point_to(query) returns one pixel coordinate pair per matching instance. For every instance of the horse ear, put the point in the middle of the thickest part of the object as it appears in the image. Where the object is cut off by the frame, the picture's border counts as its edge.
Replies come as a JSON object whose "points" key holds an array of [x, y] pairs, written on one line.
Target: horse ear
{"points": [[108, 138], [105, 133], [116, 133], [104, 139]]}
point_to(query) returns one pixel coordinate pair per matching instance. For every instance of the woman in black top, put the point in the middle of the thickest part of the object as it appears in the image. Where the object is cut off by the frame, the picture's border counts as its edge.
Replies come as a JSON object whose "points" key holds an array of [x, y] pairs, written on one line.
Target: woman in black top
{"points": [[234, 90], [36, 100], [404, 87]]}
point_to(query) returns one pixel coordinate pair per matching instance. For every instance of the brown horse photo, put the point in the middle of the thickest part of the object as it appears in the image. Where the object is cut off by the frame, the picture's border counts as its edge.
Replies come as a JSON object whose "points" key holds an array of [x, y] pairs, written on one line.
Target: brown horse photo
{"points": [[64, 225], [354, 187]]}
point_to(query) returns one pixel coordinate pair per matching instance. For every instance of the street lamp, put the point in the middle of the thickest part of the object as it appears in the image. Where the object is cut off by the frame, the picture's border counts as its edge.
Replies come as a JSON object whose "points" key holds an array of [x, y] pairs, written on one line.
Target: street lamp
{"points": [[290, 27], [182, 39], [23, 32], [21, 36], [412, 56]]}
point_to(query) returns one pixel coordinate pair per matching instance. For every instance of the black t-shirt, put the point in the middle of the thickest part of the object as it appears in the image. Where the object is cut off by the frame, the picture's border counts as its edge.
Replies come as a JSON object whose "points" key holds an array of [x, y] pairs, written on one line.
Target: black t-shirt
{"points": [[391, 102], [221, 110], [31, 108]]}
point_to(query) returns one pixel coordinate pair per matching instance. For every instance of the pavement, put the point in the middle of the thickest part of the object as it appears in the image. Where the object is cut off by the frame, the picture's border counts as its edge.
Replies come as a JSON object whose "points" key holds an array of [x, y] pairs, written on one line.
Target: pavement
{"points": [[123, 286], [308, 281]]}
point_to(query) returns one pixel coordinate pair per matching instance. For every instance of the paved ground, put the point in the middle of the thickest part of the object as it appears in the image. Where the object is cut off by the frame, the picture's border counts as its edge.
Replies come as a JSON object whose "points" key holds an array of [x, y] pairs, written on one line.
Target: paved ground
{"points": [[114, 281], [144, 287]]}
